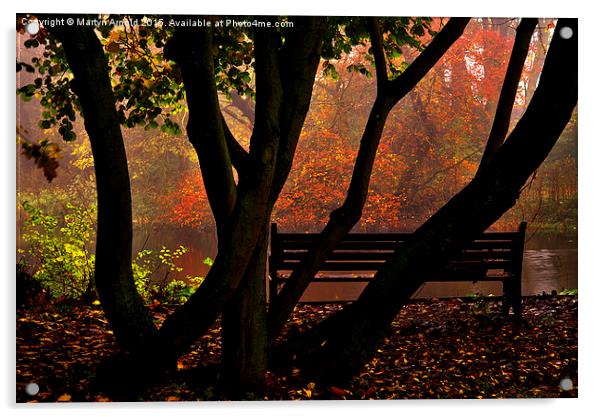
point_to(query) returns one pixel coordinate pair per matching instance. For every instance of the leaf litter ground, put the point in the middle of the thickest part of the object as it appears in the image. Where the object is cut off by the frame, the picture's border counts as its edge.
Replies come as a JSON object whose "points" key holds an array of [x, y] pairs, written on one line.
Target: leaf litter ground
{"points": [[436, 349]]}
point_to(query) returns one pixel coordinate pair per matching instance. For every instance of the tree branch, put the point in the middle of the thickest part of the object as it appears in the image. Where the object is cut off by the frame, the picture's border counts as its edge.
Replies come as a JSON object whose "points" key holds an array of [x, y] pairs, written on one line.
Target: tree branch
{"points": [[191, 49], [265, 138], [428, 58], [380, 60], [298, 60], [127, 315], [503, 113]]}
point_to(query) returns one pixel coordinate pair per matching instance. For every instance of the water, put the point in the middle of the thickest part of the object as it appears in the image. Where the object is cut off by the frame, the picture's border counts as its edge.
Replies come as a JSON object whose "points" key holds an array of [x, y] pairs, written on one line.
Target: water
{"points": [[549, 263]]}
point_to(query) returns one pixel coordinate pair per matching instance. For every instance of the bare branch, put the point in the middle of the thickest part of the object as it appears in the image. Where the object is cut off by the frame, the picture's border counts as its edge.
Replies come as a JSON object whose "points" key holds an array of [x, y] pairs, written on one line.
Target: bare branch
{"points": [[299, 60]]}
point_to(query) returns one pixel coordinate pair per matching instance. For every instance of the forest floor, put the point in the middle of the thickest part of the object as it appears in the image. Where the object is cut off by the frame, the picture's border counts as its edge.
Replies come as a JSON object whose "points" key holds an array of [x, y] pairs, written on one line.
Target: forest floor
{"points": [[437, 349]]}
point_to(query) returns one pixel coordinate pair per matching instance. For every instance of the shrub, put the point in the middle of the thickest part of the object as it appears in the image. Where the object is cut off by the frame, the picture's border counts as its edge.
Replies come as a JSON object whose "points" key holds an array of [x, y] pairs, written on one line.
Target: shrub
{"points": [[152, 270], [59, 251]]}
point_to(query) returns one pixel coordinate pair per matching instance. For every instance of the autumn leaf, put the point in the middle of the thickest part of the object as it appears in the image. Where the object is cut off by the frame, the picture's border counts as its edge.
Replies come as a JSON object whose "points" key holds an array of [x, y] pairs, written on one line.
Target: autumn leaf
{"points": [[64, 398]]}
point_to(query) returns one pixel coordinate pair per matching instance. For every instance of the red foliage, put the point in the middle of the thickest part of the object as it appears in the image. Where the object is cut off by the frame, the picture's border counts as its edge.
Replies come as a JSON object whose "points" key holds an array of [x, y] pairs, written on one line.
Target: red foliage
{"points": [[188, 205], [431, 146]]}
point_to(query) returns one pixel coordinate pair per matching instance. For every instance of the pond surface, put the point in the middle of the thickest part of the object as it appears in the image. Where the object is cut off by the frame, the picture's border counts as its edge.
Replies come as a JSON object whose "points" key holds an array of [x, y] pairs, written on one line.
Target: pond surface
{"points": [[549, 263]]}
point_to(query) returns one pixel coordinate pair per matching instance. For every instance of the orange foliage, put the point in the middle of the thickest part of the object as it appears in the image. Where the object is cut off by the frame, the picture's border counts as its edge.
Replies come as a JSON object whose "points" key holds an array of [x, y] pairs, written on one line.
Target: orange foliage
{"points": [[188, 205], [431, 146]]}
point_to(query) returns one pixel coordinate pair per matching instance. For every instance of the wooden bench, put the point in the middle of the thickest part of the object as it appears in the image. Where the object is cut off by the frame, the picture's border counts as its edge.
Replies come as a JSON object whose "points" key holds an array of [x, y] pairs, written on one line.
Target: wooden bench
{"points": [[494, 256]]}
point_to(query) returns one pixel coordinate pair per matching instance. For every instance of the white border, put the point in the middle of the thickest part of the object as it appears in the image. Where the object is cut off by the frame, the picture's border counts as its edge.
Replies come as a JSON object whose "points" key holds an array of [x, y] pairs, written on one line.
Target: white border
{"points": [[589, 225]]}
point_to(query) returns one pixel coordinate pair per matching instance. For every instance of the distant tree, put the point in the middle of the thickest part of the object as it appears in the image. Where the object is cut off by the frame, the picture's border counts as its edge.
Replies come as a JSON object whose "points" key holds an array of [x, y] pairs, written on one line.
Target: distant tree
{"points": [[138, 76]]}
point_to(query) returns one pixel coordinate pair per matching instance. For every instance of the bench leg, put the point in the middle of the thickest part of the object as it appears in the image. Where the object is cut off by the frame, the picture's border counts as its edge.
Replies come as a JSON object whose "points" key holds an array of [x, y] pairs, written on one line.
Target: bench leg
{"points": [[517, 298], [506, 297], [273, 290]]}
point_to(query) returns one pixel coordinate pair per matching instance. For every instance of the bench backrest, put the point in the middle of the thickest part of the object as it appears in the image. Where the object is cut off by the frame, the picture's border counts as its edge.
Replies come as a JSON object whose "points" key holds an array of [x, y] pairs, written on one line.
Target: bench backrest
{"points": [[367, 252]]}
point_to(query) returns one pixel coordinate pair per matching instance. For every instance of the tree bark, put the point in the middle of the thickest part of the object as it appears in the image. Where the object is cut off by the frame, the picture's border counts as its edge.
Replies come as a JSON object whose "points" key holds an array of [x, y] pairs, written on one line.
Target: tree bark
{"points": [[125, 311], [238, 154], [339, 346], [244, 329], [244, 335]]}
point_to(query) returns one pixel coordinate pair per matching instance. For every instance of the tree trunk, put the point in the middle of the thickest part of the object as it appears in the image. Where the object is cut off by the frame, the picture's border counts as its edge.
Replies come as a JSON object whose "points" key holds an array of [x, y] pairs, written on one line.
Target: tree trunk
{"points": [[338, 347], [242, 229], [244, 329], [127, 315]]}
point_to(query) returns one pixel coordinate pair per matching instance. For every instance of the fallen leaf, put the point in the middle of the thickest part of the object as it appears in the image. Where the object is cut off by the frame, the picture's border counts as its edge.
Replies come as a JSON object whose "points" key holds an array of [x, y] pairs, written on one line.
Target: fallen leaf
{"points": [[64, 398]]}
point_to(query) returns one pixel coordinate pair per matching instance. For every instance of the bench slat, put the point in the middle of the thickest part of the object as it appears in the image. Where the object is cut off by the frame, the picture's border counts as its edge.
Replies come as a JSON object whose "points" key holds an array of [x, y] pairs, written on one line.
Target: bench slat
{"points": [[487, 263], [346, 245], [359, 255], [288, 245], [353, 237], [375, 265], [333, 279], [342, 256], [337, 266], [436, 278], [361, 237]]}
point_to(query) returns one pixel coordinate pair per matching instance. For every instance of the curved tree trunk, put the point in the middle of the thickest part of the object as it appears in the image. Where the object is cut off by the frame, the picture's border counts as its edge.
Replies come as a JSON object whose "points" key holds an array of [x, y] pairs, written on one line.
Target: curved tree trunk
{"points": [[127, 315]]}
